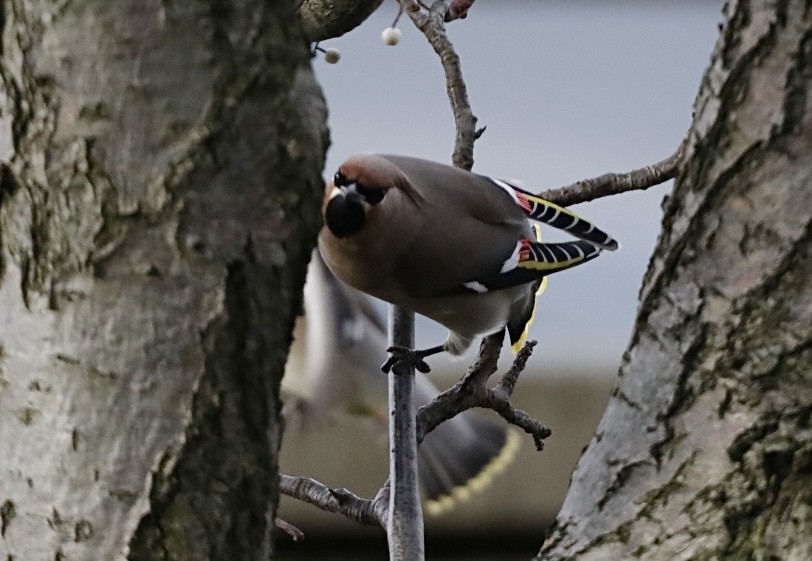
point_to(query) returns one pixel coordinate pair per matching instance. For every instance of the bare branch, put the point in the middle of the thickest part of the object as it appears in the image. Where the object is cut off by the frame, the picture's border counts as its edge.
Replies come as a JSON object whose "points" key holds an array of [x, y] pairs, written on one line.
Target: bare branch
{"points": [[341, 501], [508, 383], [498, 399], [485, 364], [404, 528], [431, 24], [523, 420], [472, 391], [616, 183], [295, 533], [465, 394]]}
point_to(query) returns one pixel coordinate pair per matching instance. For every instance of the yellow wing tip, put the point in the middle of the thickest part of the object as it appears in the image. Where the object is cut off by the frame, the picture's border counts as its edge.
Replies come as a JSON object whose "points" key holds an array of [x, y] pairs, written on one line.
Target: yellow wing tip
{"points": [[481, 481], [517, 346]]}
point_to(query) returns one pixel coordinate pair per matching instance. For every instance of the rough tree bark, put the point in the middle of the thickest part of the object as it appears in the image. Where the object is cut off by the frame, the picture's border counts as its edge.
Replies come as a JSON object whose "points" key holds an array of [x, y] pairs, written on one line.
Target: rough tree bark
{"points": [[326, 19], [705, 450], [155, 223]]}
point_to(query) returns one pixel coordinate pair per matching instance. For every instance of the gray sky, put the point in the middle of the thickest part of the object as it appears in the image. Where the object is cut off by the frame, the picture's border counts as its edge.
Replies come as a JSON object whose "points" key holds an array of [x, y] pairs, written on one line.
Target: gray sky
{"points": [[567, 90]]}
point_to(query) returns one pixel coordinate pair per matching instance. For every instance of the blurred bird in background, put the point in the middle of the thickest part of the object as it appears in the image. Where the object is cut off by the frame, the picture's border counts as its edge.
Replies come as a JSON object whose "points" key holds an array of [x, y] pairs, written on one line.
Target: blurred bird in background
{"points": [[333, 371]]}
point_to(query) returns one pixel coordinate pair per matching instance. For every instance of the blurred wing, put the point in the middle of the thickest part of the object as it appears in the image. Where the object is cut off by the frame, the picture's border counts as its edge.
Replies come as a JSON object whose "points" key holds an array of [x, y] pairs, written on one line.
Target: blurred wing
{"points": [[334, 362]]}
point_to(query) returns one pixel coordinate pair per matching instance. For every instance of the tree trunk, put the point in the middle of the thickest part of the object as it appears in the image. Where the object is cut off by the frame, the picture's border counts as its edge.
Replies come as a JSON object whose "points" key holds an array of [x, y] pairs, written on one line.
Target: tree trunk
{"points": [[155, 223], [705, 451]]}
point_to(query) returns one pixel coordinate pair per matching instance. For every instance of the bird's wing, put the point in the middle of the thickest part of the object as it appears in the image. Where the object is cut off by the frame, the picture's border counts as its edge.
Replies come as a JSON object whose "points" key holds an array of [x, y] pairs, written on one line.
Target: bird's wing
{"points": [[366, 307], [463, 228], [556, 216], [473, 233], [339, 343], [530, 261]]}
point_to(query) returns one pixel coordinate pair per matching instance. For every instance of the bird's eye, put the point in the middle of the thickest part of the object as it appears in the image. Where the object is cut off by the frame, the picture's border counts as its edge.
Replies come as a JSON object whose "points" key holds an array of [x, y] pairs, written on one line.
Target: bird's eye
{"points": [[371, 195], [340, 180]]}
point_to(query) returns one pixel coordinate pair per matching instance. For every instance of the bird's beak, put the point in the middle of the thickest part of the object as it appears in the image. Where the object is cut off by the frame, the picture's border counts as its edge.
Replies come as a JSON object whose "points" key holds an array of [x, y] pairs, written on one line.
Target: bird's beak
{"points": [[349, 192]]}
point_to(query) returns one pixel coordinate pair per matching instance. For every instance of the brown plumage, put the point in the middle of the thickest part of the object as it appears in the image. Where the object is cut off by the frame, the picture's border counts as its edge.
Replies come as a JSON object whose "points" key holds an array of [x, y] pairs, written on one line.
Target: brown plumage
{"points": [[454, 246]]}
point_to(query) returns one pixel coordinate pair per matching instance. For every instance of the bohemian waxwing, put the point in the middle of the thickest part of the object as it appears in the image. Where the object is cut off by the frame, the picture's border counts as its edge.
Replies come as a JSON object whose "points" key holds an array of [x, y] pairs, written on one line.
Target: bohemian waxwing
{"points": [[333, 371], [451, 245]]}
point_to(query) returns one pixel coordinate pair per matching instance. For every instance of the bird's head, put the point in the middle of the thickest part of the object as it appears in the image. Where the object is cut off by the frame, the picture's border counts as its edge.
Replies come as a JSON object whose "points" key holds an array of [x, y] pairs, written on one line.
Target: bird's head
{"points": [[359, 188]]}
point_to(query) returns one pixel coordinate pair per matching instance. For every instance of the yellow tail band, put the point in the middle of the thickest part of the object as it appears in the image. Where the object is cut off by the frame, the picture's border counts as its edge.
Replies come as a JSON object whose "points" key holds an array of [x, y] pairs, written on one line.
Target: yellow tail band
{"points": [[480, 482]]}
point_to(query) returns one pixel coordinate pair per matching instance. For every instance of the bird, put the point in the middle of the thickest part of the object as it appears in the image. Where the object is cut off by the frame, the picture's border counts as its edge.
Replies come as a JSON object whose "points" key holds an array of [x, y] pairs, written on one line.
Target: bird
{"points": [[455, 246], [332, 373]]}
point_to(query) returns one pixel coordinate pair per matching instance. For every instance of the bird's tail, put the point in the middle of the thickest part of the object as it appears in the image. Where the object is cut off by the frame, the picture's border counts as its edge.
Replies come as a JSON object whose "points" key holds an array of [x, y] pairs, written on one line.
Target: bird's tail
{"points": [[563, 219], [461, 457]]}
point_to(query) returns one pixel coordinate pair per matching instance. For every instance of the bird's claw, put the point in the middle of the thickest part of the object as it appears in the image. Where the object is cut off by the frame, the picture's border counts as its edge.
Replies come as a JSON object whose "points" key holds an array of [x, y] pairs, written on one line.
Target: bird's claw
{"points": [[411, 357]]}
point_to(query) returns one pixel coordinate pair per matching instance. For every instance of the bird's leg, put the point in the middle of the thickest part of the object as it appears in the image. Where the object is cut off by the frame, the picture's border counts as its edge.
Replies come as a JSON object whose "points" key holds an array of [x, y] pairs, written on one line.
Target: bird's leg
{"points": [[414, 357]]}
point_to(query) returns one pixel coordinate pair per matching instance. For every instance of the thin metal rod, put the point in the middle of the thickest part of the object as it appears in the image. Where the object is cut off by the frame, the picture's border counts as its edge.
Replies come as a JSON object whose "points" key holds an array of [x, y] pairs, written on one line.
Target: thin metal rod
{"points": [[405, 522]]}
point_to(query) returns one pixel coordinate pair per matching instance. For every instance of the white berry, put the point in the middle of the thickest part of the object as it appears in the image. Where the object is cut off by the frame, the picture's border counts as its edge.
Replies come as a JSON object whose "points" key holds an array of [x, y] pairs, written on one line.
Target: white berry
{"points": [[332, 56], [391, 36]]}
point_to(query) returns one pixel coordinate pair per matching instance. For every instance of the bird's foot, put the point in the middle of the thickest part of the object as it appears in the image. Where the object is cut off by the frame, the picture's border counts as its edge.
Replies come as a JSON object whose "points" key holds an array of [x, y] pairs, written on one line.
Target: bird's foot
{"points": [[411, 357]]}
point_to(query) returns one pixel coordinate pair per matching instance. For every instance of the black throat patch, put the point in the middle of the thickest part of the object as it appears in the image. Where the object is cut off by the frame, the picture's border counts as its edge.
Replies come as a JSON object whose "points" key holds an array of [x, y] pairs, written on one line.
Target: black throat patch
{"points": [[344, 217]]}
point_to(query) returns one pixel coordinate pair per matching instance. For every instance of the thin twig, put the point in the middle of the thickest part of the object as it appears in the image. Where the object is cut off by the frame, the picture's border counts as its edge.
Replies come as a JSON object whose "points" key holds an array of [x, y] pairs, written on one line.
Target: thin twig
{"points": [[466, 393], [295, 533], [507, 384], [498, 399], [397, 16], [521, 419], [472, 391], [616, 183], [341, 501], [431, 24]]}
